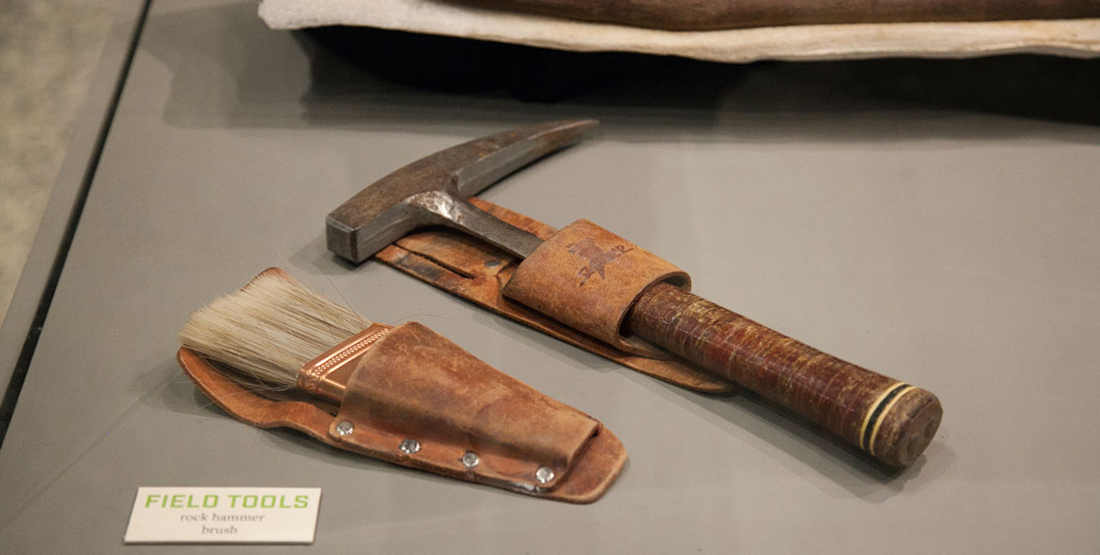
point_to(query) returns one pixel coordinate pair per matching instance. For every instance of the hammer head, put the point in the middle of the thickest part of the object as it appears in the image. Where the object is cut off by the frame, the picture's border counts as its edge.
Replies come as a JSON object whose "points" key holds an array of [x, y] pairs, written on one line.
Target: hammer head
{"points": [[403, 200]]}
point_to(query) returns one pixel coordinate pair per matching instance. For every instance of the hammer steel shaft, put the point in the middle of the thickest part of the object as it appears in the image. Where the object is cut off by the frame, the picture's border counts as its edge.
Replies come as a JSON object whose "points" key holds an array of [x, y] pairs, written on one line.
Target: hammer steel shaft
{"points": [[891, 420]]}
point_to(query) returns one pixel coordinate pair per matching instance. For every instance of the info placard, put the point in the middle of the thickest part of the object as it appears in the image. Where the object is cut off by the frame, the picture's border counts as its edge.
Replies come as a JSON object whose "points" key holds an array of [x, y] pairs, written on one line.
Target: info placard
{"points": [[224, 515]]}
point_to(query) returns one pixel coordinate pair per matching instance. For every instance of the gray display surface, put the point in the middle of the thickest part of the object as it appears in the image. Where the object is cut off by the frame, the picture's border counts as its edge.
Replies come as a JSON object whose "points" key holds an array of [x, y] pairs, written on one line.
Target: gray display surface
{"points": [[955, 250]]}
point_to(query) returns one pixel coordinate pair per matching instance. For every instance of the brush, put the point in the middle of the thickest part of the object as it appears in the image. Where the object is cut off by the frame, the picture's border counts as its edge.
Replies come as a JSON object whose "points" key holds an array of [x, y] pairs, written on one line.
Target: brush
{"points": [[283, 335]]}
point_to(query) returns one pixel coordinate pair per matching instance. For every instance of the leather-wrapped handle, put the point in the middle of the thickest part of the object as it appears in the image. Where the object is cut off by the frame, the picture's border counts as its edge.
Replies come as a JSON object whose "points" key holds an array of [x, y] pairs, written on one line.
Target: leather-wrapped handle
{"points": [[891, 420]]}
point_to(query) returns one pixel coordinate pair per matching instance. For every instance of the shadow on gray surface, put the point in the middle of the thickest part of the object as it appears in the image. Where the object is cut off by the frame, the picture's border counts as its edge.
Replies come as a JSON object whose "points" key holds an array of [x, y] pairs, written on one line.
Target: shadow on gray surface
{"points": [[370, 78], [846, 466], [1044, 87]]}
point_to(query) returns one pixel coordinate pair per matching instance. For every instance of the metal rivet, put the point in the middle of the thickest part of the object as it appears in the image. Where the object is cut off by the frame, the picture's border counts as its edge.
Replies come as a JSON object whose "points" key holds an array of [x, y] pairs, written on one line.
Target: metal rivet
{"points": [[470, 459], [345, 428], [492, 264], [409, 446], [544, 474]]}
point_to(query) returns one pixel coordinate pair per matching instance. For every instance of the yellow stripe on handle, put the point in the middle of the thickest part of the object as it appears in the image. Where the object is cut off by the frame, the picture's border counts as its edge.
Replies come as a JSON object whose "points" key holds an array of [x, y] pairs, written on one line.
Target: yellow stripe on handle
{"points": [[878, 410]]}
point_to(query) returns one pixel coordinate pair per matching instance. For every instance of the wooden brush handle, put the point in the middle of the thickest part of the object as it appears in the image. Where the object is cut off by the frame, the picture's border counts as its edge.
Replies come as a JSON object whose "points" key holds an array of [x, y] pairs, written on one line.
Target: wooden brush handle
{"points": [[891, 420]]}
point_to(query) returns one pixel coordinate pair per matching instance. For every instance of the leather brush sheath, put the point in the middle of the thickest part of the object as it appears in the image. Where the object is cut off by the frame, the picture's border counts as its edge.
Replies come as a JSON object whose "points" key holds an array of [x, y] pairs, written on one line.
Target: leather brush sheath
{"points": [[406, 395]]}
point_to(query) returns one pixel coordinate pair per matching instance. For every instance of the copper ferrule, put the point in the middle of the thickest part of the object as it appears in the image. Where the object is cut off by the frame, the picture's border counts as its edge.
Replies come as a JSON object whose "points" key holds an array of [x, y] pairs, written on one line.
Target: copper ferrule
{"points": [[328, 374]]}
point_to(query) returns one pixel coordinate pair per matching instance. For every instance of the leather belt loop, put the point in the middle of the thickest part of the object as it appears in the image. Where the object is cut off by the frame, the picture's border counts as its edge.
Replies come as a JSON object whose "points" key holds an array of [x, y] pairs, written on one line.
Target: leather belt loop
{"points": [[588, 278]]}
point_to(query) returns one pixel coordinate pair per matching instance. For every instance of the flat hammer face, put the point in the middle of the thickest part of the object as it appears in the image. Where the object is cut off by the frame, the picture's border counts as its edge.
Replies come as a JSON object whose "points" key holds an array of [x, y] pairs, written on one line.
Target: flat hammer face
{"points": [[433, 190]]}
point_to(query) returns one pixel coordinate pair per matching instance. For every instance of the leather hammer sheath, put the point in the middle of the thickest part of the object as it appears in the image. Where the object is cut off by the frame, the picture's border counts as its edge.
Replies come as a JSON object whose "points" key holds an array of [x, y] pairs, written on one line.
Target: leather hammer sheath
{"points": [[415, 399], [709, 15], [480, 273], [591, 281]]}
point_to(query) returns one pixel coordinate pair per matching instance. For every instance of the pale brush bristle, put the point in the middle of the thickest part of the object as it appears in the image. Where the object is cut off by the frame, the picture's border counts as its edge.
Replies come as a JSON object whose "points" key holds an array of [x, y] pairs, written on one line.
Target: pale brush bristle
{"points": [[270, 329]]}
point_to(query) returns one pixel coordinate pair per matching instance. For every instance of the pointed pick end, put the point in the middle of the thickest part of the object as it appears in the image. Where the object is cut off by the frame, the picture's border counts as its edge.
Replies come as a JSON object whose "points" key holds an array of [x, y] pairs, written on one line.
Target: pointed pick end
{"points": [[482, 162]]}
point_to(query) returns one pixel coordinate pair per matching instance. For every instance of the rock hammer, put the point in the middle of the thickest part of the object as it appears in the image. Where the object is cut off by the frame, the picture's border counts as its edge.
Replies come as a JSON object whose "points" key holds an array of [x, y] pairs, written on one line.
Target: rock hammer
{"points": [[889, 419]]}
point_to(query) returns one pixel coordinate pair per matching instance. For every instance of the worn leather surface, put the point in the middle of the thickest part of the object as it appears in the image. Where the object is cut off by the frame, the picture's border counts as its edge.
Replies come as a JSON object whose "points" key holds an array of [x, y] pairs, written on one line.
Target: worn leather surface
{"points": [[565, 279], [414, 384], [706, 15], [478, 272]]}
